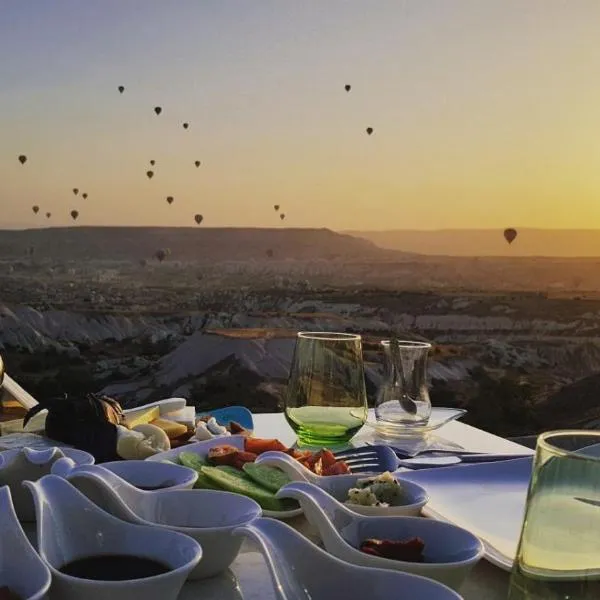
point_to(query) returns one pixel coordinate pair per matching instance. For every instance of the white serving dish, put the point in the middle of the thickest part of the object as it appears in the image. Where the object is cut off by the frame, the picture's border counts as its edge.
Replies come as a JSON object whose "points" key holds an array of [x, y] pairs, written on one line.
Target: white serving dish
{"points": [[21, 568], [26, 464], [338, 485], [202, 448], [69, 526], [207, 516], [487, 499], [144, 475], [450, 551], [301, 570]]}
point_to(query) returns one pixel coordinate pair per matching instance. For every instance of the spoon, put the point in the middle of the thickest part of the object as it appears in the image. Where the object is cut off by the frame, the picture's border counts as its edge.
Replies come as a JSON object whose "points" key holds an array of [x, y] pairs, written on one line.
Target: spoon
{"points": [[407, 403]]}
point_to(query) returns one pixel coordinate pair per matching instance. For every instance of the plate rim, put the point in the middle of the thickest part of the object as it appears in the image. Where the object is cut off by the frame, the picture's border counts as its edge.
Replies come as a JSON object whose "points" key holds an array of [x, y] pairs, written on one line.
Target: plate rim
{"points": [[414, 431]]}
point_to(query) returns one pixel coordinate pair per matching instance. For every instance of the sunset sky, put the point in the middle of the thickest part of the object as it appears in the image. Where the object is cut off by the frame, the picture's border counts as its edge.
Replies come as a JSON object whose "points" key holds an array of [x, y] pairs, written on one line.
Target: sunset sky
{"points": [[486, 112]]}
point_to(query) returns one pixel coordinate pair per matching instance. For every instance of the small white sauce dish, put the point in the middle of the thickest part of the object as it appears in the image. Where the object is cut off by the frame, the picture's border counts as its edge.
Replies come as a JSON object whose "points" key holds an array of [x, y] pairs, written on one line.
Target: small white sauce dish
{"points": [[71, 527], [414, 497], [21, 568], [207, 516], [450, 551], [153, 476], [300, 569], [26, 464]]}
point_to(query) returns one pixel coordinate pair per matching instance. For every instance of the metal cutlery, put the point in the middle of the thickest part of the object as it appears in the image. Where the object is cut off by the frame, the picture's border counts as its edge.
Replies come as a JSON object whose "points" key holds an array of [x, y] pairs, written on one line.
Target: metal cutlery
{"points": [[379, 458]]}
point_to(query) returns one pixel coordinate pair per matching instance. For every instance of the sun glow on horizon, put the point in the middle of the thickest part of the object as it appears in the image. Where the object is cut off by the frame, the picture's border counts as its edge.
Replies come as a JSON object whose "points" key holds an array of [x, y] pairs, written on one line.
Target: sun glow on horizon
{"points": [[485, 115]]}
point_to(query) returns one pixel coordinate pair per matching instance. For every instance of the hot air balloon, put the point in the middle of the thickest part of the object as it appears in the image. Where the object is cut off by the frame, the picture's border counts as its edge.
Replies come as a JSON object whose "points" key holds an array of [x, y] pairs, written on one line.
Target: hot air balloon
{"points": [[186, 125], [76, 191], [347, 87], [160, 255], [121, 89], [276, 207], [22, 159], [35, 208], [74, 214], [170, 199], [157, 110], [152, 162], [149, 174], [369, 130], [198, 219], [84, 195], [197, 163], [48, 215], [282, 216], [510, 234]]}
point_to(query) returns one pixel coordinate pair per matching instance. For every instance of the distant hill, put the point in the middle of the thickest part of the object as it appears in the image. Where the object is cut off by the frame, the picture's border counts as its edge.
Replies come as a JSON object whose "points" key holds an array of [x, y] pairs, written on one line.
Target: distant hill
{"points": [[489, 242], [186, 244]]}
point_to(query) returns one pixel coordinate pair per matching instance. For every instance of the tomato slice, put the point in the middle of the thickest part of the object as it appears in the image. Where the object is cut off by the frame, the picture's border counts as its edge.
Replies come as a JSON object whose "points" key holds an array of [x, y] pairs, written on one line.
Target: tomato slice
{"points": [[338, 468], [258, 445], [242, 458], [223, 455]]}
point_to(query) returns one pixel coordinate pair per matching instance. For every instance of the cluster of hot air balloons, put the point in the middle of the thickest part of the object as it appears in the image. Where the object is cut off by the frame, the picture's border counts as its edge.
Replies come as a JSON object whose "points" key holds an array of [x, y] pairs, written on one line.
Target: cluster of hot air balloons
{"points": [[36, 209], [510, 234], [369, 130], [276, 207]]}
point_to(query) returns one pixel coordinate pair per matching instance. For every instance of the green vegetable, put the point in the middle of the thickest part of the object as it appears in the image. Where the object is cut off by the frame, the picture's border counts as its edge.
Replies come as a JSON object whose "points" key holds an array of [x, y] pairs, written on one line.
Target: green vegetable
{"points": [[204, 483], [270, 477], [191, 460], [194, 461], [229, 469], [240, 484]]}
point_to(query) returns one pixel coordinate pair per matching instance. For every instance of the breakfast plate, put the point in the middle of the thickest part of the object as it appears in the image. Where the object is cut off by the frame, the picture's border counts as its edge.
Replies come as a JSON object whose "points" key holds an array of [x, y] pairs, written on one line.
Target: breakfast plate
{"points": [[202, 449], [488, 499], [439, 417]]}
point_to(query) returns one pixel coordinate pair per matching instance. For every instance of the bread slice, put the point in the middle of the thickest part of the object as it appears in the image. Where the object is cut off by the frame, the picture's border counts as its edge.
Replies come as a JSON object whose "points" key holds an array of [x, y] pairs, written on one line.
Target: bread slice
{"points": [[171, 428]]}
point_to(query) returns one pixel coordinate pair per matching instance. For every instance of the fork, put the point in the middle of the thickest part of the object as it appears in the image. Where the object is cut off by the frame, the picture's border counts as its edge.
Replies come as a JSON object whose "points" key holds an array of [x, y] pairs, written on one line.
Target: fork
{"points": [[378, 458]]}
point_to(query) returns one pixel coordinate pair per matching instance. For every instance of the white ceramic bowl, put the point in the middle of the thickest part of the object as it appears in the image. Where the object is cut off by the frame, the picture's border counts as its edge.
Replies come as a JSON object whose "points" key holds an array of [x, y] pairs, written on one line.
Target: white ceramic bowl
{"points": [[153, 476], [202, 448], [21, 568], [450, 552], [414, 496], [300, 569], [207, 516], [26, 464], [70, 527]]}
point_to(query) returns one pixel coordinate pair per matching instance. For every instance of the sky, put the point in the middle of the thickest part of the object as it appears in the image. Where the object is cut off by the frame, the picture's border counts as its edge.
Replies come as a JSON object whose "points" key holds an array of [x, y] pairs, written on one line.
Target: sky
{"points": [[486, 113]]}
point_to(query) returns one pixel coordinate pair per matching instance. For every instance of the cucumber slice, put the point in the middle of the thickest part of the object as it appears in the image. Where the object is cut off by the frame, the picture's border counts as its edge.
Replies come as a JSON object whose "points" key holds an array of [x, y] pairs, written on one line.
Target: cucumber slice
{"points": [[271, 478], [240, 484], [229, 469], [191, 460], [204, 483]]}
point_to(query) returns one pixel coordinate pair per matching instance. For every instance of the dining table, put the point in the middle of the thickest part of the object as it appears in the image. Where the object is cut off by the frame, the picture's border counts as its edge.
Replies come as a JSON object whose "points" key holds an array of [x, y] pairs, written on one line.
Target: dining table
{"points": [[248, 578]]}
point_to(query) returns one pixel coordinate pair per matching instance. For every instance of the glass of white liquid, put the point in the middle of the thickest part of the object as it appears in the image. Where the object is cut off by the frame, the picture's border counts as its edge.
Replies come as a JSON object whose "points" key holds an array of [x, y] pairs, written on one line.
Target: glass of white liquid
{"points": [[558, 557]]}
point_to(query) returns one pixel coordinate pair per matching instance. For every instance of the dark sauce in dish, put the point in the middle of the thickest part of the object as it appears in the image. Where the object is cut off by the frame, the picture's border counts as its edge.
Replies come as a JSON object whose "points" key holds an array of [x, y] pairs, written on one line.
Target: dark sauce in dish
{"points": [[114, 567]]}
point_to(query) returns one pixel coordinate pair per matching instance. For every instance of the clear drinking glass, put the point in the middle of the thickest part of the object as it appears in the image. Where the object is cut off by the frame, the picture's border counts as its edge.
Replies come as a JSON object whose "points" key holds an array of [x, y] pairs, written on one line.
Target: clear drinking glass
{"points": [[403, 398], [558, 557], [326, 400]]}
